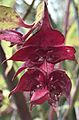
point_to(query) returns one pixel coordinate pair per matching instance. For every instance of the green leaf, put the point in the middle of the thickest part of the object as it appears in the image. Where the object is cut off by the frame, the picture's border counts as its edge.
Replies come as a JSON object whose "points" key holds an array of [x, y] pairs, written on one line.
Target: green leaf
{"points": [[8, 3], [9, 19]]}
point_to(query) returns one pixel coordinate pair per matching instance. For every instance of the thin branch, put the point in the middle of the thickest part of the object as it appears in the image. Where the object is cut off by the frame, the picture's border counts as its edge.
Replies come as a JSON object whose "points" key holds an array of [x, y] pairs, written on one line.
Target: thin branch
{"points": [[19, 98], [28, 11], [70, 25], [75, 96], [76, 15], [66, 22], [51, 113]]}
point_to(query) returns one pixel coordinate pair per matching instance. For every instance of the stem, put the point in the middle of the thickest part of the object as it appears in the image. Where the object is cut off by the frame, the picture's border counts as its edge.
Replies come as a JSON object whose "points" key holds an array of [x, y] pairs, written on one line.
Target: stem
{"points": [[51, 114], [28, 11], [67, 18], [76, 15], [19, 98], [75, 96]]}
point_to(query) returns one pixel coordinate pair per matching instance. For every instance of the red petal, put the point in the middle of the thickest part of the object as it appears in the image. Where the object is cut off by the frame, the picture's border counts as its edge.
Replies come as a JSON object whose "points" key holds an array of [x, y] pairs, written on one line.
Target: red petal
{"points": [[47, 67], [46, 36], [60, 82], [28, 81], [58, 54], [46, 21], [12, 36], [39, 96], [23, 54]]}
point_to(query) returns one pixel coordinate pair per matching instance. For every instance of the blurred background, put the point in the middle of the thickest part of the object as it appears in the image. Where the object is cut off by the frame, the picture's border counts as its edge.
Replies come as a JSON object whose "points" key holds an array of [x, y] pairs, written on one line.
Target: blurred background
{"points": [[64, 16]]}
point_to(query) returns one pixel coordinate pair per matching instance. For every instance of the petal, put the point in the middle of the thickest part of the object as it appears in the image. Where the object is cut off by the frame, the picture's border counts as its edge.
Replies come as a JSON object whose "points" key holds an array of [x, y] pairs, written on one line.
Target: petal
{"points": [[32, 55], [38, 56], [23, 54], [46, 36], [11, 36], [29, 81], [50, 36], [47, 67], [46, 21], [59, 85], [60, 82], [39, 96], [58, 54]]}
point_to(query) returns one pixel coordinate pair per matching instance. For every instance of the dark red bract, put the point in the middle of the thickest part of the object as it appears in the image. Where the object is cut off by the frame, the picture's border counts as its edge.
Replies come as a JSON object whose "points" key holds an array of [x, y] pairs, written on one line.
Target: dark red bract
{"points": [[40, 57], [44, 87], [58, 84]]}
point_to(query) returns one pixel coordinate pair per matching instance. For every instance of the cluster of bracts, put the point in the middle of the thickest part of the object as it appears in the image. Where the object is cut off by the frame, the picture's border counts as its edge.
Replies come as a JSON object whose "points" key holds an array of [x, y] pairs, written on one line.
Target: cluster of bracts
{"points": [[40, 52]]}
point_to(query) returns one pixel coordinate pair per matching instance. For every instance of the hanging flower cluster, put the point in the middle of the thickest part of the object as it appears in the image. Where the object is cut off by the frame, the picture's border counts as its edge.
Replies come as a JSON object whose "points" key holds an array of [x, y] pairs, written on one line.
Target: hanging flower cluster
{"points": [[40, 53]]}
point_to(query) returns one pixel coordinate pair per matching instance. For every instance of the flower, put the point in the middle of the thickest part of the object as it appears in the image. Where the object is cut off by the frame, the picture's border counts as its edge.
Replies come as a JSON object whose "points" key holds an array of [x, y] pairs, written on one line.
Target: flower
{"points": [[44, 87]]}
